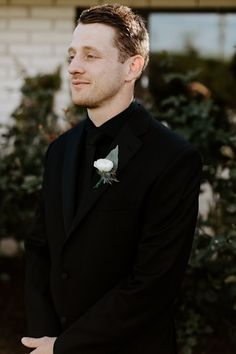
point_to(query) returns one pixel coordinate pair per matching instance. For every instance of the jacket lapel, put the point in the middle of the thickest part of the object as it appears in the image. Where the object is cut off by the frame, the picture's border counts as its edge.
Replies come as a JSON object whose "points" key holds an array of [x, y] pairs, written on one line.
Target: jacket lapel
{"points": [[69, 176], [129, 142]]}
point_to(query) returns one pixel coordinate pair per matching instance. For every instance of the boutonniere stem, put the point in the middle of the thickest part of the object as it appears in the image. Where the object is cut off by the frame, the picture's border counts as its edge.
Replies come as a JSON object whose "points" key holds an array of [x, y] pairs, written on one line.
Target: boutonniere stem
{"points": [[106, 168]]}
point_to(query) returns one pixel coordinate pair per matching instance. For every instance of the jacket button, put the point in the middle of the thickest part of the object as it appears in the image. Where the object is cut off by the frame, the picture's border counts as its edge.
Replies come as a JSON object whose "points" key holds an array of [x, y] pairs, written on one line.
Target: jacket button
{"points": [[63, 320], [64, 275]]}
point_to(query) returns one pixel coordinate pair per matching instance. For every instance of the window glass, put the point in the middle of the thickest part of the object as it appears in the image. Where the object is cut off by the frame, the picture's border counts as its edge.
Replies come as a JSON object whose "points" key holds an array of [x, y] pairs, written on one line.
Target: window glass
{"points": [[201, 43], [211, 34]]}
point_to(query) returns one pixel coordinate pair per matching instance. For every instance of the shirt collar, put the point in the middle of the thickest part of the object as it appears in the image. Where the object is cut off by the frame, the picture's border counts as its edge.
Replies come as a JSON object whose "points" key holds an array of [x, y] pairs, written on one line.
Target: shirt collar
{"points": [[112, 126]]}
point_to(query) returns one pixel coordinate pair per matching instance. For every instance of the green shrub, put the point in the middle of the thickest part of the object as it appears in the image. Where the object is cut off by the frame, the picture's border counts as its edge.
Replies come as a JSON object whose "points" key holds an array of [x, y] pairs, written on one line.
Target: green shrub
{"points": [[207, 305], [23, 147]]}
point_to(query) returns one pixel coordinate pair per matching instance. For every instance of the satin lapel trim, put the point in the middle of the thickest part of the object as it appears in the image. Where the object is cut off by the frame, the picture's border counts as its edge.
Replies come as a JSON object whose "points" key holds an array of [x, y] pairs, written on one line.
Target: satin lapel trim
{"points": [[128, 144], [70, 166]]}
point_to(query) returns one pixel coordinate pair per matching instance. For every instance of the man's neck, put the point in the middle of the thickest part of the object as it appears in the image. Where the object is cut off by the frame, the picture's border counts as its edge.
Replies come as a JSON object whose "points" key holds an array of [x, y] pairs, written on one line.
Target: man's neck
{"points": [[102, 114]]}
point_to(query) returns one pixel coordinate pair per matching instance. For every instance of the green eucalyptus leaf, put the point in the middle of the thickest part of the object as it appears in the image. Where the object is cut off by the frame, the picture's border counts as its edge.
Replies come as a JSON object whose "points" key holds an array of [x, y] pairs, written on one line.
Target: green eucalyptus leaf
{"points": [[113, 156]]}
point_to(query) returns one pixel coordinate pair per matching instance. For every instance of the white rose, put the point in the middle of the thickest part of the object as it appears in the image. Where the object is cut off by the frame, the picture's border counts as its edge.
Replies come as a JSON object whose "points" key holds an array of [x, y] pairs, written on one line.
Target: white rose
{"points": [[103, 165]]}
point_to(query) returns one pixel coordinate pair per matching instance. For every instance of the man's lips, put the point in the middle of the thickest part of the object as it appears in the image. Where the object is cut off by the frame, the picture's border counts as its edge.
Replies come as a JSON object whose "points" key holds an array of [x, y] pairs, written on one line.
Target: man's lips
{"points": [[79, 82]]}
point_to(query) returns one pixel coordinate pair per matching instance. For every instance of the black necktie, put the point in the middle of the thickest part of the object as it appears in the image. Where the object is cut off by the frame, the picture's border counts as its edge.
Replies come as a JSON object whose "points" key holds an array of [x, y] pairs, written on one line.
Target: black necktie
{"points": [[85, 187], [91, 145]]}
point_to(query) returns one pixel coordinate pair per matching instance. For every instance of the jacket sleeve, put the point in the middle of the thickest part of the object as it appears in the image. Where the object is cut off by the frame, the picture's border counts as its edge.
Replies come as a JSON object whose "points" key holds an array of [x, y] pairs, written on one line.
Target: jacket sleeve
{"points": [[168, 225], [40, 315]]}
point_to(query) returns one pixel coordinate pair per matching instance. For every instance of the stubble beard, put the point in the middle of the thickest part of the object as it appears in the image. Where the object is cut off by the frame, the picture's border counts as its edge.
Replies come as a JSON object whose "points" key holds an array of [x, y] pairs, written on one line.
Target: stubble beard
{"points": [[96, 99], [86, 103]]}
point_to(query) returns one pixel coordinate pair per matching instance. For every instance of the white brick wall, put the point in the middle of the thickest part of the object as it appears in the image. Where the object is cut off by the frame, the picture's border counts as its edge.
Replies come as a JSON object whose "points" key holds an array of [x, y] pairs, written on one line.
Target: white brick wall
{"points": [[52, 12], [13, 12], [7, 36], [3, 24], [30, 25], [3, 48], [34, 39], [30, 2]]}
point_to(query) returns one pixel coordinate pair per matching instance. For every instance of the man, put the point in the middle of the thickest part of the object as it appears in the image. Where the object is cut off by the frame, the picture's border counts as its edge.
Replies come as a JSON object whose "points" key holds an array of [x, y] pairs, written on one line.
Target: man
{"points": [[110, 245]]}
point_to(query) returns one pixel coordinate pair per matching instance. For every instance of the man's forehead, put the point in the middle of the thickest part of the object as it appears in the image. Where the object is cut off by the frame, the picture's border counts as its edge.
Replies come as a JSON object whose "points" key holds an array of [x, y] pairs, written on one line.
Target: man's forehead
{"points": [[94, 31], [93, 35]]}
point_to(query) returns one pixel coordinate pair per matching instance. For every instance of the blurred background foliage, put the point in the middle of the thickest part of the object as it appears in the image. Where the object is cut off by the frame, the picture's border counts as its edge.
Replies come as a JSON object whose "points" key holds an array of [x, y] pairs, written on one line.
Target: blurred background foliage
{"points": [[22, 150], [186, 95], [200, 105]]}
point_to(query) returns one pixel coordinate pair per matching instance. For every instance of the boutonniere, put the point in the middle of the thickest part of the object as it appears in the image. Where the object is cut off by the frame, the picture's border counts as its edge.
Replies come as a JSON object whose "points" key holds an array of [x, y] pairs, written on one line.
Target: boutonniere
{"points": [[106, 168]]}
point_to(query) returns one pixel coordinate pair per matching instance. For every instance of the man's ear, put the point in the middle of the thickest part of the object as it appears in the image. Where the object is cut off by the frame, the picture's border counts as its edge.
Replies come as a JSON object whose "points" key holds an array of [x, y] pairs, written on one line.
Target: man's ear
{"points": [[134, 67]]}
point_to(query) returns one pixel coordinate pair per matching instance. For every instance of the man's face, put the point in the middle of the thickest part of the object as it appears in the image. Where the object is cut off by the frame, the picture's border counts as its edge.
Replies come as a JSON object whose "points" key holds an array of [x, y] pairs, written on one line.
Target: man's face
{"points": [[96, 74]]}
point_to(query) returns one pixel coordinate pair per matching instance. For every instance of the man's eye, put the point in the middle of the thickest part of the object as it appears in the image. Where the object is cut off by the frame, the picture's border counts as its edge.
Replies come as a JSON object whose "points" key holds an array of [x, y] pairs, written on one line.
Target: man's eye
{"points": [[90, 56]]}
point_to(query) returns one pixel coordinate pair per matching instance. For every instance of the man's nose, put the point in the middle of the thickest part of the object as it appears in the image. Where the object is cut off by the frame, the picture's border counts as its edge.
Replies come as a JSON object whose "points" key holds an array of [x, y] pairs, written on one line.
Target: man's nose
{"points": [[75, 66]]}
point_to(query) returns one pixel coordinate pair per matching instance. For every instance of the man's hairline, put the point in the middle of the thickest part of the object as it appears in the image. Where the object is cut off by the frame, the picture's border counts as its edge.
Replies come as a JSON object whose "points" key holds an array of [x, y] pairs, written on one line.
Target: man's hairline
{"points": [[120, 55], [116, 32]]}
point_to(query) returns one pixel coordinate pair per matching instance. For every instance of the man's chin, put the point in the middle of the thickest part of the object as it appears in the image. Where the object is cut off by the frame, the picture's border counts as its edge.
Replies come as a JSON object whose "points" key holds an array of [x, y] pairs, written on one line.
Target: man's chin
{"points": [[84, 103]]}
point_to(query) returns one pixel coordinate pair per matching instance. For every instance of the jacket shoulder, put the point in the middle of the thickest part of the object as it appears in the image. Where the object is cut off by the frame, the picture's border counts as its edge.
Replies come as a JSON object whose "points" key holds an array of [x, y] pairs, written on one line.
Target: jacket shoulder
{"points": [[158, 135], [163, 135], [60, 141], [166, 147]]}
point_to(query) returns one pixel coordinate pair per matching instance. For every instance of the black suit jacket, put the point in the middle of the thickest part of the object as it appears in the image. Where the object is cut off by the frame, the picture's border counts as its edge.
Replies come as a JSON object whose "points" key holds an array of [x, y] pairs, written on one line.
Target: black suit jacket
{"points": [[105, 281]]}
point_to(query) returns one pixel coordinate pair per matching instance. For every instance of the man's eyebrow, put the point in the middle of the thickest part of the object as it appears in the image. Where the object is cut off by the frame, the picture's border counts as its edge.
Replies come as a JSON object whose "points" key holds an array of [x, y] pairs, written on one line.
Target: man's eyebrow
{"points": [[72, 49], [90, 48]]}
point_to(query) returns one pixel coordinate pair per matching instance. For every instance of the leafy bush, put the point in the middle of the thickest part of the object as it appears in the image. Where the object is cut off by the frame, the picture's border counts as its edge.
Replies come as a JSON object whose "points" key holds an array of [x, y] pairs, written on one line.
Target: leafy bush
{"points": [[23, 147], [207, 304]]}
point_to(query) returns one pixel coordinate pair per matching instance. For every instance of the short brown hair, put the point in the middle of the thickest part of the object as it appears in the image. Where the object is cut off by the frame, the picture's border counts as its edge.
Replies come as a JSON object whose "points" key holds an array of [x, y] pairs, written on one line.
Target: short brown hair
{"points": [[132, 36]]}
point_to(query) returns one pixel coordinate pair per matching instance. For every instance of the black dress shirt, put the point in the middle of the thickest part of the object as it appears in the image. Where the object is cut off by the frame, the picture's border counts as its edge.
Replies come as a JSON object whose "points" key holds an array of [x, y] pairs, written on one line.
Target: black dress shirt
{"points": [[101, 138], [107, 132]]}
